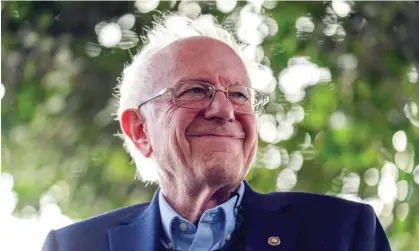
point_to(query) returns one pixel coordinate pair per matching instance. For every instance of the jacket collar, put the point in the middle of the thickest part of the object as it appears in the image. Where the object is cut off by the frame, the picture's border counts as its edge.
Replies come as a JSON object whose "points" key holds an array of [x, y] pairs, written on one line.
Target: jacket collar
{"points": [[140, 230], [265, 216]]}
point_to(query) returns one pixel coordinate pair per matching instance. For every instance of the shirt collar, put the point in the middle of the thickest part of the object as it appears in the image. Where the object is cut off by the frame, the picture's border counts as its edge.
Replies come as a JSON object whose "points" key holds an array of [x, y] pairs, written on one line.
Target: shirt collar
{"points": [[168, 214]]}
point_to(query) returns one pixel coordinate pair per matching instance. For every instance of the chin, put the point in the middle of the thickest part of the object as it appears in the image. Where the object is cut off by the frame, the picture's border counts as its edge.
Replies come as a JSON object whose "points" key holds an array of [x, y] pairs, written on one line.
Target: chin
{"points": [[219, 166], [222, 173]]}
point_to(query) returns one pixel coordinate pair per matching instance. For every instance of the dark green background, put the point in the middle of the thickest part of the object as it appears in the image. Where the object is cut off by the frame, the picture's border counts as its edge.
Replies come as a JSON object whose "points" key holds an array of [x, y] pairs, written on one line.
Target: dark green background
{"points": [[57, 126]]}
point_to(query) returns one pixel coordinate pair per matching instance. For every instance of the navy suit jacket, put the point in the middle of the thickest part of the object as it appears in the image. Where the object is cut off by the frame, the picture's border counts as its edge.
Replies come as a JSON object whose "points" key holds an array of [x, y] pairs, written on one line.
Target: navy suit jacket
{"points": [[301, 221]]}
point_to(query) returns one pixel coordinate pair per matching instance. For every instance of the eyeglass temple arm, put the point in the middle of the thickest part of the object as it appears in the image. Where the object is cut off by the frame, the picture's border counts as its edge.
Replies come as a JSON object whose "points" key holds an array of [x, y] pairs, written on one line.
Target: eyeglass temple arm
{"points": [[157, 95]]}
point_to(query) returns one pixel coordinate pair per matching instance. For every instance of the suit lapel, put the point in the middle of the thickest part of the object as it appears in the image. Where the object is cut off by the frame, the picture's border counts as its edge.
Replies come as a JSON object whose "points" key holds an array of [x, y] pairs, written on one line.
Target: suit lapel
{"points": [[268, 216], [140, 230]]}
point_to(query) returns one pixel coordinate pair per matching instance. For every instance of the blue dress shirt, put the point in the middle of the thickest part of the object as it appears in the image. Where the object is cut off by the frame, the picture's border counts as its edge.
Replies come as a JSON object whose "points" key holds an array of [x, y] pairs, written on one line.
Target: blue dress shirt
{"points": [[214, 227]]}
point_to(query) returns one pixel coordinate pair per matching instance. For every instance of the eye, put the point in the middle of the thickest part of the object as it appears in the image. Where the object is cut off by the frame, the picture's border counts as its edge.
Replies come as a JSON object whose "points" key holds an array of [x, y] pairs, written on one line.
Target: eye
{"points": [[195, 89], [192, 92], [238, 95]]}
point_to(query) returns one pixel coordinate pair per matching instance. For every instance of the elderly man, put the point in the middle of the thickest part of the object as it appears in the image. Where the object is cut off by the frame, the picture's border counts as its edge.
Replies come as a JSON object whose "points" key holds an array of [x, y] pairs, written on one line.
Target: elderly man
{"points": [[186, 101]]}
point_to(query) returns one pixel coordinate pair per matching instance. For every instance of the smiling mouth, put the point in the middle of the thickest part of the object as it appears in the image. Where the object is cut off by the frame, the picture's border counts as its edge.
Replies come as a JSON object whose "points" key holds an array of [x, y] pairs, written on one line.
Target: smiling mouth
{"points": [[217, 136]]}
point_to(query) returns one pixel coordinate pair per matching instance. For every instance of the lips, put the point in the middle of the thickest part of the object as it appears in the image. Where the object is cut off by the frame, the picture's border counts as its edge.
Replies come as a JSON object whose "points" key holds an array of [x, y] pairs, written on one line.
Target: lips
{"points": [[222, 135], [233, 131]]}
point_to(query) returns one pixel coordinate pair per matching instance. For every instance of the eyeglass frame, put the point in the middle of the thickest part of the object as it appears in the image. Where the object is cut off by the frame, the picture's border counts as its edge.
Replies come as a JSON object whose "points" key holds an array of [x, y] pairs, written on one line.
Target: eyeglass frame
{"points": [[171, 89]]}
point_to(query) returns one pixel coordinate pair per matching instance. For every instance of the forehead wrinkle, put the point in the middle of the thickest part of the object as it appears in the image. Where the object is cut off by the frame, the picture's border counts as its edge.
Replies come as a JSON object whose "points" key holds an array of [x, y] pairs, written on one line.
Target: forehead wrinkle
{"points": [[226, 77], [162, 67], [227, 74], [178, 61]]}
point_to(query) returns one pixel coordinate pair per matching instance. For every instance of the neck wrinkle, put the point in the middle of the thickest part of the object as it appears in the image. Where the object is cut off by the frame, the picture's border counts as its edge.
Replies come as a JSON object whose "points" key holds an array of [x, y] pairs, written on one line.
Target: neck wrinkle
{"points": [[191, 204]]}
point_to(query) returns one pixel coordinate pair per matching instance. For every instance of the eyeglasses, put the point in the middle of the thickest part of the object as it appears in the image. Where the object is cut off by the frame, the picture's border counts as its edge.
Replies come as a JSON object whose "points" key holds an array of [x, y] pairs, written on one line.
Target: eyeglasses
{"points": [[199, 95]]}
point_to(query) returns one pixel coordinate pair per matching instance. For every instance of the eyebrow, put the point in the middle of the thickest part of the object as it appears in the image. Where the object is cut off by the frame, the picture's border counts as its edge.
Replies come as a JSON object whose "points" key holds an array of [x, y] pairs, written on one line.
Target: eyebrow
{"points": [[208, 81], [199, 79]]}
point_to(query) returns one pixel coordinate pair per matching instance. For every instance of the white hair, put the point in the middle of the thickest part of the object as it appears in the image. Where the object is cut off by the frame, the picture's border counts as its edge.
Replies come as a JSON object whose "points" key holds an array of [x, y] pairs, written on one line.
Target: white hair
{"points": [[136, 79]]}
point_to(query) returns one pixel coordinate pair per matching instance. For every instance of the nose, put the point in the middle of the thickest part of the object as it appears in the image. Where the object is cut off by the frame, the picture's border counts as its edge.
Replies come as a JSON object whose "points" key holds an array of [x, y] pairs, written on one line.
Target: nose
{"points": [[220, 108]]}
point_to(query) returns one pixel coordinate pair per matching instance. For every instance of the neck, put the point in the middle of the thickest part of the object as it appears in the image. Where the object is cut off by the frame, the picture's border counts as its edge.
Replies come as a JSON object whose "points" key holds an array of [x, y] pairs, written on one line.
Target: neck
{"points": [[191, 203]]}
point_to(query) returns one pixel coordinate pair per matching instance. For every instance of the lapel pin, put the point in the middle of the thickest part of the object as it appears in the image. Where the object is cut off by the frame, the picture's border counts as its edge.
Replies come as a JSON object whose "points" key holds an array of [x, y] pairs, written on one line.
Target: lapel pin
{"points": [[274, 241]]}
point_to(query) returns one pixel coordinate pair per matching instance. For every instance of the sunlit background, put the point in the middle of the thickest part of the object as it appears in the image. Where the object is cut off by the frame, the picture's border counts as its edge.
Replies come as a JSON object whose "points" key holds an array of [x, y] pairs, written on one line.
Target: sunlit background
{"points": [[343, 118]]}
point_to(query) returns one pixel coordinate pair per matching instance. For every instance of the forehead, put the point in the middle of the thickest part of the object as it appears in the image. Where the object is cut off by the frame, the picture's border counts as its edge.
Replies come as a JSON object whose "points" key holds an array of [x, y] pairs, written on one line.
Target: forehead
{"points": [[198, 58]]}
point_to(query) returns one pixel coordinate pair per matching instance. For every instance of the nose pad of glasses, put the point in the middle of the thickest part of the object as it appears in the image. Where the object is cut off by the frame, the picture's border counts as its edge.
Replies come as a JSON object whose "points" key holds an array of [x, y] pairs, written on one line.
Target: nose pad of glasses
{"points": [[215, 92]]}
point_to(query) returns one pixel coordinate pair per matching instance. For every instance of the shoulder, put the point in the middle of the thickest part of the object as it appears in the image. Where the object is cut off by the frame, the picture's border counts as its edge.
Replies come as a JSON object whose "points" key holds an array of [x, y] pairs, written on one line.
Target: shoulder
{"points": [[338, 217], [313, 198], [316, 204], [95, 227], [325, 220], [105, 220], [328, 211]]}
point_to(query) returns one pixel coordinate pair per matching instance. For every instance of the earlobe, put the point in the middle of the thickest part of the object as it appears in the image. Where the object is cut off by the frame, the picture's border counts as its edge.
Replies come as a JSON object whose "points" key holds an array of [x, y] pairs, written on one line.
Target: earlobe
{"points": [[133, 126]]}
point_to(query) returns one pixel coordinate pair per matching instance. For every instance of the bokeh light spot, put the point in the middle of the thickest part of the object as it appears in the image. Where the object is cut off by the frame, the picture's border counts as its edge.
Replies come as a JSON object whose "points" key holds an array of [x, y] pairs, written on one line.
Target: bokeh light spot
{"points": [[404, 161], [304, 25], [272, 157], [2, 91], [267, 132], [126, 21], [402, 190], [338, 120], [387, 189], [110, 35], [351, 183], [413, 75], [341, 8], [402, 210], [372, 176], [145, 6], [296, 161], [400, 141], [189, 9], [286, 180], [416, 174], [92, 50], [226, 6]]}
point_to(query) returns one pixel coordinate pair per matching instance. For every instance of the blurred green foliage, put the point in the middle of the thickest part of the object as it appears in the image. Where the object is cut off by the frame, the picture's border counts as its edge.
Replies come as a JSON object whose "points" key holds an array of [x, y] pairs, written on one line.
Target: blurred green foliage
{"points": [[58, 132]]}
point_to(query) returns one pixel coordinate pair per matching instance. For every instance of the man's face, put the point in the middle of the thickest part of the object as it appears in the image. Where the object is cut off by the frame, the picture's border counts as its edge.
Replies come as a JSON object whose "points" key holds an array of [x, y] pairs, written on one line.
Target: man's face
{"points": [[213, 145]]}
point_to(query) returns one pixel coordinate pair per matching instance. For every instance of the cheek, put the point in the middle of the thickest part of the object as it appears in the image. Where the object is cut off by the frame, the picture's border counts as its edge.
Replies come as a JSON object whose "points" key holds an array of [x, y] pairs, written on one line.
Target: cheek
{"points": [[170, 132], [249, 126], [250, 145], [160, 126], [167, 124]]}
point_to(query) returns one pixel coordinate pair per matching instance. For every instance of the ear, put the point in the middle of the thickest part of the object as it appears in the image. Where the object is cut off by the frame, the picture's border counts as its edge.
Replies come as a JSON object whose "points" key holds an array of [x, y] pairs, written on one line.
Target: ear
{"points": [[133, 126]]}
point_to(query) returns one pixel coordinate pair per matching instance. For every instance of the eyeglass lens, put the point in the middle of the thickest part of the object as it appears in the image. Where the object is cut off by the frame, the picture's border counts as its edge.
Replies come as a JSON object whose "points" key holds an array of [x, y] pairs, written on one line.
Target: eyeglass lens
{"points": [[198, 95]]}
